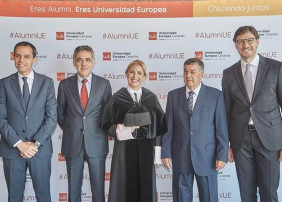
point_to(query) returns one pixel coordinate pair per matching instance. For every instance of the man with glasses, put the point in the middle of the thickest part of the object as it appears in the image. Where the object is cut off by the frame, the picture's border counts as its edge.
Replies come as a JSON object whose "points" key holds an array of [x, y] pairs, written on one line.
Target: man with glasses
{"points": [[81, 100], [252, 90]]}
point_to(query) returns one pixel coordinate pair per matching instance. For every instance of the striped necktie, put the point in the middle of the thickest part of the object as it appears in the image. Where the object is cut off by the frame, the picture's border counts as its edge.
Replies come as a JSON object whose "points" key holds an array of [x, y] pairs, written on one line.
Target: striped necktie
{"points": [[190, 102]]}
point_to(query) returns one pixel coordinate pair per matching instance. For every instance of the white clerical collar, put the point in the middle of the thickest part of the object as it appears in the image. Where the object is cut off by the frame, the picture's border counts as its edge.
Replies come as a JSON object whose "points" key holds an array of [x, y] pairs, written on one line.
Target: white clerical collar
{"points": [[131, 91]]}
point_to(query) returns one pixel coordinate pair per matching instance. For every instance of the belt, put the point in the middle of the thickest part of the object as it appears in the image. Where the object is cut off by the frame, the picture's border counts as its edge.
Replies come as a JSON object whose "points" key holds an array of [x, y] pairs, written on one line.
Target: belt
{"points": [[251, 127]]}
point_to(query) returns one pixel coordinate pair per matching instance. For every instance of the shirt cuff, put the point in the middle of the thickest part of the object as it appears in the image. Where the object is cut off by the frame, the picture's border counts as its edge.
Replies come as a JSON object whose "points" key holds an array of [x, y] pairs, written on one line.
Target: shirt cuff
{"points": [[123, 132], [157, 159], [15, 145]]}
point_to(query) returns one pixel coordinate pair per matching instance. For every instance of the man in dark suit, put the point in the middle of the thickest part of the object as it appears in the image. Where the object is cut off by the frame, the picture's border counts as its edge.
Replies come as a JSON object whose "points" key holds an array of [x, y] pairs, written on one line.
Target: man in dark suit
{"points": [[81, 100], [28, 117], [252, 90], [196, 142]]}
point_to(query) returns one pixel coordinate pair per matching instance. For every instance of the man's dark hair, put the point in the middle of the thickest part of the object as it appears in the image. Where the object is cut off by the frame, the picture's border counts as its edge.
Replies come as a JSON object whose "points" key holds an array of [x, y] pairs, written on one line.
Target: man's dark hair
{"points": [[191, 61], [83, 48], [243, 30], [25, 43]]}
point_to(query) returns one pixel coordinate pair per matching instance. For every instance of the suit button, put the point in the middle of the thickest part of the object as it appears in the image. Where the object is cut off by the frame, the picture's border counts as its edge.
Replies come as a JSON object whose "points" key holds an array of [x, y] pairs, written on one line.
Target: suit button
{"points": [[23, 131], [84, 117], [191, 133], [26, 117], [251, 108], [81, 130]]}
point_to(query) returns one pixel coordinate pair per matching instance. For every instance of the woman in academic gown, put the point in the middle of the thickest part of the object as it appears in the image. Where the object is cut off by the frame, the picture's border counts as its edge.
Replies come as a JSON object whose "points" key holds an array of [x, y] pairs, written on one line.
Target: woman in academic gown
{"points": [[136, 148]]}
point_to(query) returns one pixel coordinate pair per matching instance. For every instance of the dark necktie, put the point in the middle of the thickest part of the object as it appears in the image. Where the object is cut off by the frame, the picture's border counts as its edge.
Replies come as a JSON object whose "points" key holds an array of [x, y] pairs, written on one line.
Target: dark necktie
{"points": [[248, 81], [26, 93], [84, 94], [136, 99], [190, 102]]}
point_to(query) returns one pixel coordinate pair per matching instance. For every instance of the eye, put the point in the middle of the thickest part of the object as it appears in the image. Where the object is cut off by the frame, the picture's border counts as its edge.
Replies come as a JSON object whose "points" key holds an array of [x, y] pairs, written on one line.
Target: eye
{"points": [[88, 60], [79, 60], [27, 56]]}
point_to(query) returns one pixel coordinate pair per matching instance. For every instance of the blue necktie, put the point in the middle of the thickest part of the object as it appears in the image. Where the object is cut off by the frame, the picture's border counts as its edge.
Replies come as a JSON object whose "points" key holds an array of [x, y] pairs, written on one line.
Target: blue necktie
{"points": [[26, 94], [190, 102]]}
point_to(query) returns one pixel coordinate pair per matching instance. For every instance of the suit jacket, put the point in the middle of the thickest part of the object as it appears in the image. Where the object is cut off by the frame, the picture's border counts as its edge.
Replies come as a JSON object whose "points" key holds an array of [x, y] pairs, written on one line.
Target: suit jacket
{"points": [[264, 106], [79, 125], [35, 123], [203, 139]]}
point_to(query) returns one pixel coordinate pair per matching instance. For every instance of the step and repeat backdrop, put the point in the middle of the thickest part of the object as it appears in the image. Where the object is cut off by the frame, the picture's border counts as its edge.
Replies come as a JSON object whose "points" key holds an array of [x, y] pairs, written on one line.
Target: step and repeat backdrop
{"points": [[162, 34]]}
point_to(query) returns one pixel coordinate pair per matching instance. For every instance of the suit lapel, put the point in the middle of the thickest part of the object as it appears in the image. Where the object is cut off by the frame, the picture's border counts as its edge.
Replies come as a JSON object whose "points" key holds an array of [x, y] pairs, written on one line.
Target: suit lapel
{"points": [[37, 83], [200, 99], [74, 90], [262, 67], [240, 80], [17, 90], [94, 84], [183, 99]]}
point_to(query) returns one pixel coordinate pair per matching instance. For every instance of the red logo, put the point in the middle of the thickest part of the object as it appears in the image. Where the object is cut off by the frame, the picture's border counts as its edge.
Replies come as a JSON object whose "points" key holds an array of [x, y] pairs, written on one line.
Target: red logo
{"points": [[107, 176], [199, 55], [110, 139], [12, 56], [153, 76], [107, 56], [63, 196], [60, 35], [61, 76], [153, 35], [61, 157]]}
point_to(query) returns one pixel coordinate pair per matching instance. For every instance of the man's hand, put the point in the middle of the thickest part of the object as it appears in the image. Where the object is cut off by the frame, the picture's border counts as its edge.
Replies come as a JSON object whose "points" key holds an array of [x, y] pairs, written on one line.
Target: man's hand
{"points": [[280, 156], [167, 162], [27, 149], [231, 157], [219, 164]]}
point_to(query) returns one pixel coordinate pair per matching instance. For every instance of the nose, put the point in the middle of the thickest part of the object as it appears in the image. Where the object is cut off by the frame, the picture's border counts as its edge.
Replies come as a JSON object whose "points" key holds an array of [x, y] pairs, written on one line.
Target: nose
{"points": [[21, 58]]}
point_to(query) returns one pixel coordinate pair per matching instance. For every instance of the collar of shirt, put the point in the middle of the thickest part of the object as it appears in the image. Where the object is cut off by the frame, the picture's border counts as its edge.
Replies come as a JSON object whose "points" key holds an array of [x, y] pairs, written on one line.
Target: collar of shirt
{"points": [[254, 63], [88, 83], [30, 78], [138, 92], [131, 91], [196, 91]]}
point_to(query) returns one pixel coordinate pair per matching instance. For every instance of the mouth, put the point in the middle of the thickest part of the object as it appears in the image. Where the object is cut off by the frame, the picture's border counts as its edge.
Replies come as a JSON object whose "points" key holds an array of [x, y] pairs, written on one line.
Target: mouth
{"points": [[134, 80], [21, 65]]}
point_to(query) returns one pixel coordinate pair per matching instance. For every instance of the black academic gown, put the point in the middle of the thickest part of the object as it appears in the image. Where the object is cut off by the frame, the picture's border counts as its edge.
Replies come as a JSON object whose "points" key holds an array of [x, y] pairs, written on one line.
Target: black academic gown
{"points": [[132, 168]]}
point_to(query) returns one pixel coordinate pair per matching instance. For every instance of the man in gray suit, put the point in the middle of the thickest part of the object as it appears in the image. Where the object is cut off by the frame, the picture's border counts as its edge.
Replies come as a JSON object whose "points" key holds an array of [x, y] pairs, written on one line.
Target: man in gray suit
{"points": [[81, 100], [252, 90], [28, 117], [196, 142]]}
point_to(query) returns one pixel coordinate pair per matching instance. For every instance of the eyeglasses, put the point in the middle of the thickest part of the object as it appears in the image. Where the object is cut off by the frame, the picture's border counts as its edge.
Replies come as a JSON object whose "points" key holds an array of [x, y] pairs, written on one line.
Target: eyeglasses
{"points": [[248, 40]]}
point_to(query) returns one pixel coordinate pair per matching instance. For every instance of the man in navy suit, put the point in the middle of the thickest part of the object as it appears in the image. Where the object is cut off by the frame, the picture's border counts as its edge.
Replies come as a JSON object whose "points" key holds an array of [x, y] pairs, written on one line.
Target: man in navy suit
{"points": [[252, 90], [196, 142], [81, 101], [28, 117]]}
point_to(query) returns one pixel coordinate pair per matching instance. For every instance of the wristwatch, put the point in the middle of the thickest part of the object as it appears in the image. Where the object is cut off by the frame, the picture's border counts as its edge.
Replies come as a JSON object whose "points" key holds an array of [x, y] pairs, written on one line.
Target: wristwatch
{"points": [[37, 144]]}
